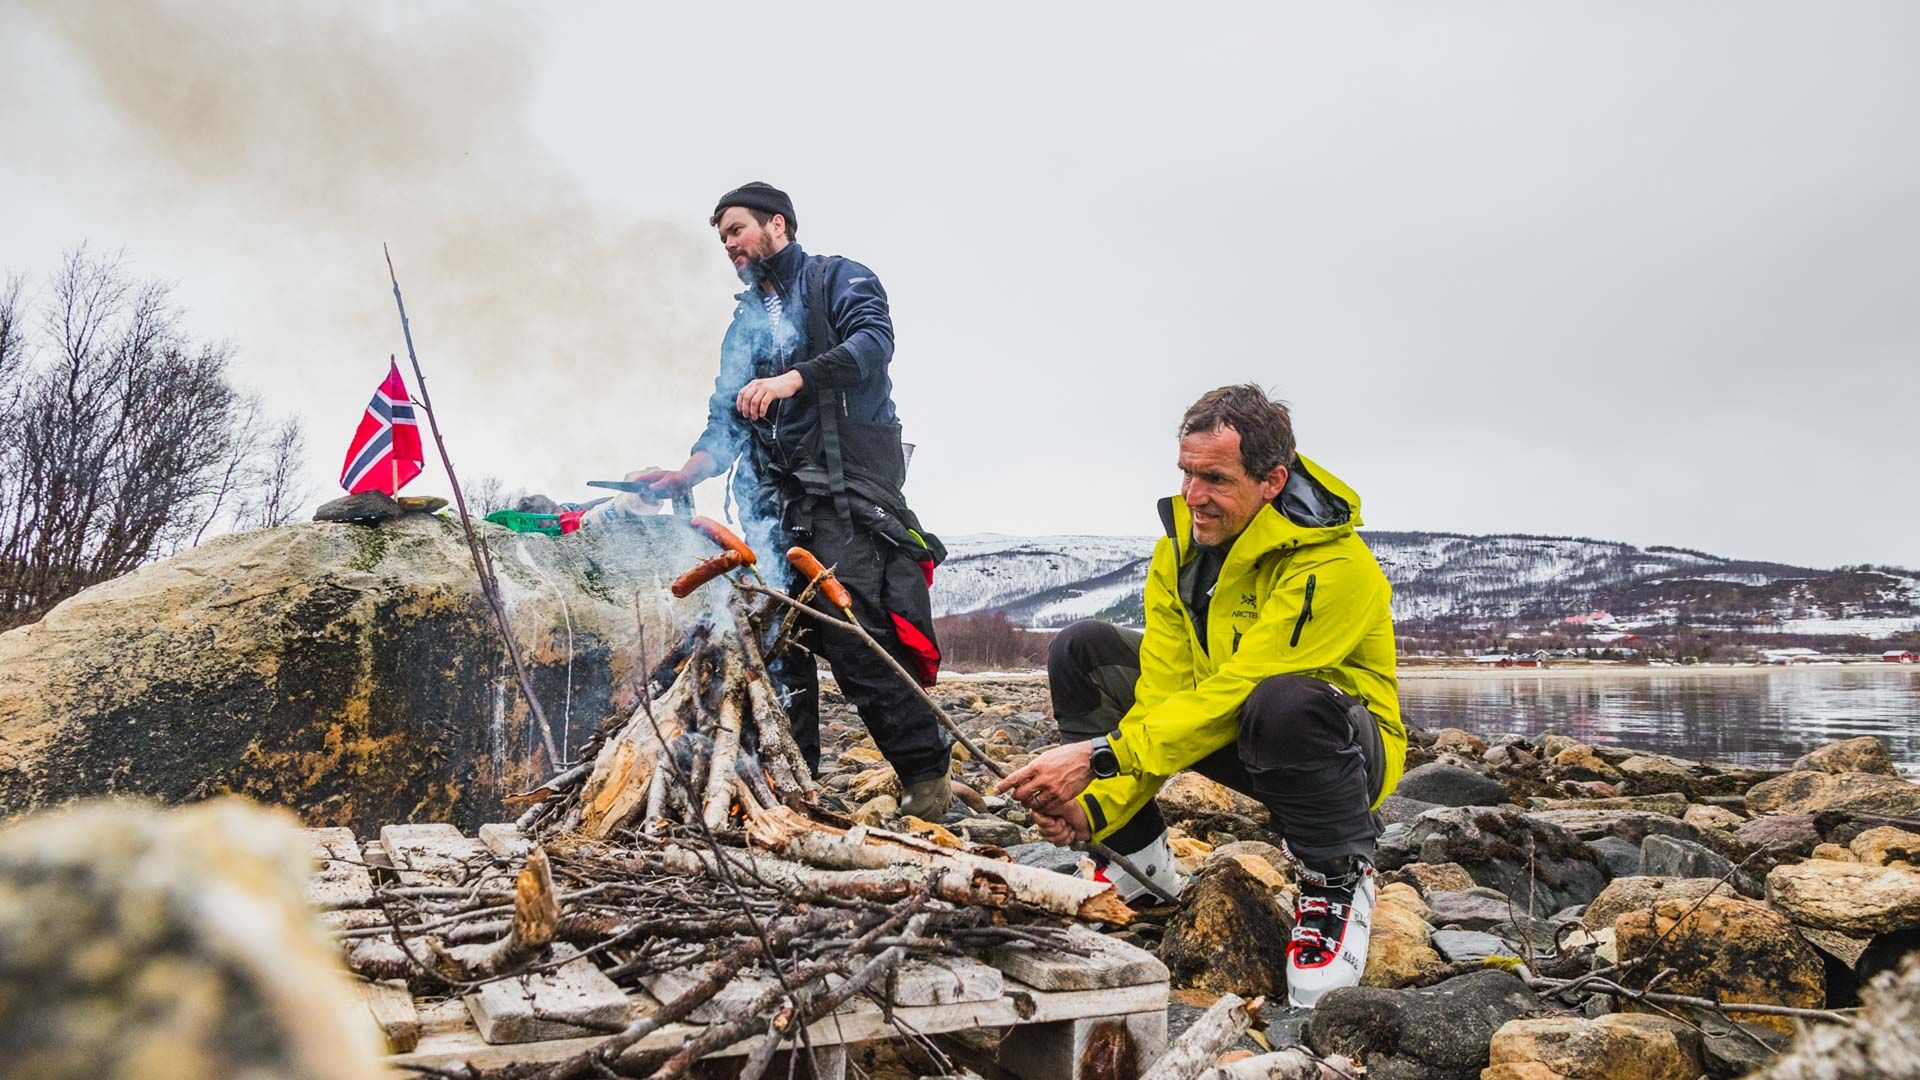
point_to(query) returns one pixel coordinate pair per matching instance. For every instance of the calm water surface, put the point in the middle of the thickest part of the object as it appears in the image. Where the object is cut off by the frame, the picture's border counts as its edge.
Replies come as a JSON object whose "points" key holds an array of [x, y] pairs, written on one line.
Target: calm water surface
{"points": [[1763, 718]]}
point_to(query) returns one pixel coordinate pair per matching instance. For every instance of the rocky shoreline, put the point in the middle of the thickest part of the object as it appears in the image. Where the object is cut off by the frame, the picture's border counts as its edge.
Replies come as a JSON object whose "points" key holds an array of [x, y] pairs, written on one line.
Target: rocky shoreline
{"points": [[1548, 908]]}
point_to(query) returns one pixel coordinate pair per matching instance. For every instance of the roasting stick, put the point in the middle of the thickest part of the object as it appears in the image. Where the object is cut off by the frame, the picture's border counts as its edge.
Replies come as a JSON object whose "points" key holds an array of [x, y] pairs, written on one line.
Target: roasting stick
{"points": [[836, 594]]}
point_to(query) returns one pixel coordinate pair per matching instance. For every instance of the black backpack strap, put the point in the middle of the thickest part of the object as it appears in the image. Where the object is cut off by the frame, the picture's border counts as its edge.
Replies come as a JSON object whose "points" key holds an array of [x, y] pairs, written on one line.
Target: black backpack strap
{"points": [[829, 403]]}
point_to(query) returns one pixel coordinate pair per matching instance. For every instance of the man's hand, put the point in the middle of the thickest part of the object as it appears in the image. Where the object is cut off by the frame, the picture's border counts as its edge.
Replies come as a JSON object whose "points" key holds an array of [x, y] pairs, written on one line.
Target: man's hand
{"points": [[666, 483], [759, 395], [1049, 783], [1068, 828]]}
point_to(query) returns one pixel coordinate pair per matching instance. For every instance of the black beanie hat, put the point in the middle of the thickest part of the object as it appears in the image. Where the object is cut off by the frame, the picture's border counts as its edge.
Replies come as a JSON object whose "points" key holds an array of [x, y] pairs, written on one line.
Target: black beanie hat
{"points": [[760, 196]]}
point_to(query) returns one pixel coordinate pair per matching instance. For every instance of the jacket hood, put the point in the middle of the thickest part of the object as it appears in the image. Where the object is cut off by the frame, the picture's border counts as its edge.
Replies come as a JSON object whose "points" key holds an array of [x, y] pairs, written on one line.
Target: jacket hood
{"points": [[1314, 507]]}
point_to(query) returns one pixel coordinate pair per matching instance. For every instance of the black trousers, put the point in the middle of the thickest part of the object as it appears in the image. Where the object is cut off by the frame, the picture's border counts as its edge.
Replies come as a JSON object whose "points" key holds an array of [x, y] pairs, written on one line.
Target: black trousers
{"points": [[1307, 751], [902, 725]]}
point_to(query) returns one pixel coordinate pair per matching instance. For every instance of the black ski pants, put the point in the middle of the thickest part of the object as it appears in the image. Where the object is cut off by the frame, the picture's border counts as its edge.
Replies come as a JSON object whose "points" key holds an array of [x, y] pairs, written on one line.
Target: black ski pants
{"points": [[902, 726], [1307, 751]]}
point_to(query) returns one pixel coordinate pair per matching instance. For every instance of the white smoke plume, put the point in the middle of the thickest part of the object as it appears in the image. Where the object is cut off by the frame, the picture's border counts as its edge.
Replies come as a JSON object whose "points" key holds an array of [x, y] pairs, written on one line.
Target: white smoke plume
{"points": [[562, 342]]}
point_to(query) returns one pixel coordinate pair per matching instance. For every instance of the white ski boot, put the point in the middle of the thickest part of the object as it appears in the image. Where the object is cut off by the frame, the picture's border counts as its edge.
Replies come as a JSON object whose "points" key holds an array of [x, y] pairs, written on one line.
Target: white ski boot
{"points": [[1333, 921]]}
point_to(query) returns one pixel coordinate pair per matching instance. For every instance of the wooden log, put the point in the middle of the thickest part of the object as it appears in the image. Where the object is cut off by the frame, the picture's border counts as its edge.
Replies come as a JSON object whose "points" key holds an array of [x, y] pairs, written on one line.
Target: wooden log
{"points": [[536, 919], [882, 885], [719, 790], [1110, 963], [622, 776], [785, 832], [1210, 1036], [572, 999], [433, 854], [339, 881], [391, 1004]]}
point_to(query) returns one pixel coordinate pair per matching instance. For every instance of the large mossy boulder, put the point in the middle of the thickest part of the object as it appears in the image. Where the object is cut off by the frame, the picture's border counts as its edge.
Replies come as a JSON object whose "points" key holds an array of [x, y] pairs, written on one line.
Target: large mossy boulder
{"points": [[351, 673]]}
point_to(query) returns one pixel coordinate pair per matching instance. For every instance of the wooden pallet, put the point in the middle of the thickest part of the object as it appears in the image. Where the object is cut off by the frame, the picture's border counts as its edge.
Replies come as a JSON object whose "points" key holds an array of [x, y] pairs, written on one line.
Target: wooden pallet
{"points": [[1043, 1006]]}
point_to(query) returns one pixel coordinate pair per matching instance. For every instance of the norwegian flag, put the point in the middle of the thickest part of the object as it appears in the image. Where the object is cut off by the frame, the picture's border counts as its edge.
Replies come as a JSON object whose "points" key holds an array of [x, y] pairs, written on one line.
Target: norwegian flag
{"points": [[385, 454]]}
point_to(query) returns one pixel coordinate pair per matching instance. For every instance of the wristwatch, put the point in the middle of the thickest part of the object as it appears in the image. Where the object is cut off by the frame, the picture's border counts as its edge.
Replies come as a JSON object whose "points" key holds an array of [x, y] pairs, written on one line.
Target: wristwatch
{"points": [[1105, 763]]}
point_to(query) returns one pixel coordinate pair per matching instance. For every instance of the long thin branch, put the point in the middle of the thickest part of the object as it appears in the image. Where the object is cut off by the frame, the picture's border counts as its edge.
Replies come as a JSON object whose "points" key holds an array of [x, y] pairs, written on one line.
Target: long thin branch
{"points": [[482, 558], [951, 724]]}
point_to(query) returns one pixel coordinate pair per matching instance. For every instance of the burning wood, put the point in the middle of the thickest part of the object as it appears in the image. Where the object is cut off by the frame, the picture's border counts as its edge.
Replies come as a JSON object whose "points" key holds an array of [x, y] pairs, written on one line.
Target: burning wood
{"points": [[689, 836]]}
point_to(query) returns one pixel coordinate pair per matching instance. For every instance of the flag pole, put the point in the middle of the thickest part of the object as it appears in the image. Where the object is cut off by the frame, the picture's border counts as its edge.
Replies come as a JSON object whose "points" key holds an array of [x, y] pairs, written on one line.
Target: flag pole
{"points": [[477, 544]]}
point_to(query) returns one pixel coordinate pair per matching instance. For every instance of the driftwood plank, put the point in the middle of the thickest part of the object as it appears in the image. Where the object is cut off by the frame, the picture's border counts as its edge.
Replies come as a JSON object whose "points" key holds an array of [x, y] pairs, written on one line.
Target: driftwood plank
{"points": [[392, 1007], [445, 1043], [433, 854], [506, 842], [338, 881], [933, 981], [1112, 963], [531, 1008]]}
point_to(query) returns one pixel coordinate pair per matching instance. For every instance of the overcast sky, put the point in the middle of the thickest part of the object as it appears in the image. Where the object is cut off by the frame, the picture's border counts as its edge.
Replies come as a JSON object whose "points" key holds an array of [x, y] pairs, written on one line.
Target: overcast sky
{"points": [[1642, 272]]}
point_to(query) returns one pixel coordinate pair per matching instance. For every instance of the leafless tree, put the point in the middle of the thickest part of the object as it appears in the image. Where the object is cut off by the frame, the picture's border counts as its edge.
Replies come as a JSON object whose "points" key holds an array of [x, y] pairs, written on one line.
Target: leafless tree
{"points": [[277, 491], [487, 494], [124, 439]]}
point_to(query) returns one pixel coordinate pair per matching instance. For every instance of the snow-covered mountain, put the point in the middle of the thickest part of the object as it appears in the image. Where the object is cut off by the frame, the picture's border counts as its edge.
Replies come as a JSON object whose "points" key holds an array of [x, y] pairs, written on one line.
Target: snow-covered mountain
{"points": [[1447, 577]]}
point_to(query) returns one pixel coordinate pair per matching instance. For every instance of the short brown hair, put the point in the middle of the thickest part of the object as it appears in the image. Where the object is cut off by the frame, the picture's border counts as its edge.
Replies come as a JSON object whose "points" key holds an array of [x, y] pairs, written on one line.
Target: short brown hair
{"points": [[1265, 426]]}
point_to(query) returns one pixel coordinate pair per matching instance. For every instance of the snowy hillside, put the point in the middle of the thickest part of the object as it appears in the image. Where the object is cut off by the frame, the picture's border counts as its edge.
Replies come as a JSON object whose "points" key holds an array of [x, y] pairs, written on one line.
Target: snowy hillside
{"points": [[1048, 581]]}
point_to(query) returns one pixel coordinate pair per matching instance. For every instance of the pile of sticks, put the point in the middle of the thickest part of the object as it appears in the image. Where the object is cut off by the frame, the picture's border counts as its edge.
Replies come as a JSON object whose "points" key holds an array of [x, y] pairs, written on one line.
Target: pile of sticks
{"points": [[690, 837]]}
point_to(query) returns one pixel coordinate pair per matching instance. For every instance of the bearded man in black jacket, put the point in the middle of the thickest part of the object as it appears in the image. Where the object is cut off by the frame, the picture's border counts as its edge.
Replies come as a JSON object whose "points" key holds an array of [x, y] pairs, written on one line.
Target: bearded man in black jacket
{"points": [[802, 415]]}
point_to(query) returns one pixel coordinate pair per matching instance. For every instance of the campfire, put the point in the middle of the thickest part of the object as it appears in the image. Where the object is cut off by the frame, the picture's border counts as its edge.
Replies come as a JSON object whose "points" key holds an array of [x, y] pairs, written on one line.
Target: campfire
{"points": [[688, 853]]}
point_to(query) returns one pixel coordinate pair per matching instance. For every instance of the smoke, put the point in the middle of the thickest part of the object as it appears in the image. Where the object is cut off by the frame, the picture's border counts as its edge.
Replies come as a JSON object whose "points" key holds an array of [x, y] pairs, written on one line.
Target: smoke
{"points": [[561, 341]]}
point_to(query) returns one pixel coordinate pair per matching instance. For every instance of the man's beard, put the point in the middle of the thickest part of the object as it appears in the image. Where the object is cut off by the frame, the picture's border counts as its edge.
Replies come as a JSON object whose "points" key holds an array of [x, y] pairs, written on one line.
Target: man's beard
{"points": [[755, 271]]}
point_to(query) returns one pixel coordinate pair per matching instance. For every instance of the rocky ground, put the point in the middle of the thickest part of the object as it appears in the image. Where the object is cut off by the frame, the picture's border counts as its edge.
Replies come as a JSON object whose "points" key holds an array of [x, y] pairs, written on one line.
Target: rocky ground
{"points": [[1547, 909]]}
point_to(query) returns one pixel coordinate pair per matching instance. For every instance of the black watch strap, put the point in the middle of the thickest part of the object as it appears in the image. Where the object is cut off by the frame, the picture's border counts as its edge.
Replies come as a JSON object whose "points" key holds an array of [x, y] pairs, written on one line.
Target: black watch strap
{"points": [[1104, 762]]}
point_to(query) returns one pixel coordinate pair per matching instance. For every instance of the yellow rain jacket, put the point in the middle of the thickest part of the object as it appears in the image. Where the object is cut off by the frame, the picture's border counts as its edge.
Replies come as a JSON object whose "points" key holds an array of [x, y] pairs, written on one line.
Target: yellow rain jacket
{"points": [[1299, 593]]}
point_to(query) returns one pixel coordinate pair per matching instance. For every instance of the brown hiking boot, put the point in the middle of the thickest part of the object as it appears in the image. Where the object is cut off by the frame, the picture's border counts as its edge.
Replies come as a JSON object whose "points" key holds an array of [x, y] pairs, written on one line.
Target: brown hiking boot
{"points": [[927, 800]]}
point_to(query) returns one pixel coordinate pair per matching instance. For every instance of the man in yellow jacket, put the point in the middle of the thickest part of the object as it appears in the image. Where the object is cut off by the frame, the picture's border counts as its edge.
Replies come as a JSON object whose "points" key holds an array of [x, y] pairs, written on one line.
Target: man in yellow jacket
{"points": [[1267, 664]]}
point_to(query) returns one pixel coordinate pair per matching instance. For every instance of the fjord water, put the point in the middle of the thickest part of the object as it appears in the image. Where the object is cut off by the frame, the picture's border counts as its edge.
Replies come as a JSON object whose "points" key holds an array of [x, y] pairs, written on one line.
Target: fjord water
{"points": [[1751, 716]]}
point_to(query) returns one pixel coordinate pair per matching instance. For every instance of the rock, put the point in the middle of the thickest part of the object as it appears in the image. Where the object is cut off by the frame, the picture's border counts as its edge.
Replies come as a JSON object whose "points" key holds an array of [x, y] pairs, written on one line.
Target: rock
{"points": [[353, 674], [1189, 796], [1618, 856], [1579, 762], [989, 830], [1884, 1041], [1731, 1053], [1728, 949], [1455, 740], [1785, 836], [1807, 792], [1669, 856], [1437, 1032], [1865, 754], [141, 942], [1427, 877], [1618, 1046], [1712, 817], [1672, 804], [1632, 825], [1834, 852], [1553, 744], [1046, 856], [1448, 785], [1472, 909], [1650, 773], [1887, 846], [1851, 898], [1461, 946], [1229, 936], [877, 811], [1399, 951], [1639, 893], [1510, 758], [1885, 952], [1514, 853], [360, 508], [1396, 809]]}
